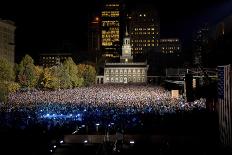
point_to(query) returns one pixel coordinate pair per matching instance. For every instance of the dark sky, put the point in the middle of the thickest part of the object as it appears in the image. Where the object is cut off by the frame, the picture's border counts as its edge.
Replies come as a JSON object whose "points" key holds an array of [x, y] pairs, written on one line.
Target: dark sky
{"points": [[44, 25]]}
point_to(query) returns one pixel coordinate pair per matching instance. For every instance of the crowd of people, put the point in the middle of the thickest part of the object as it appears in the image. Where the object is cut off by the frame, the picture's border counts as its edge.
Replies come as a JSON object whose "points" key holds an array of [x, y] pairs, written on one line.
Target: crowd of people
{"points": [[103, 104]]}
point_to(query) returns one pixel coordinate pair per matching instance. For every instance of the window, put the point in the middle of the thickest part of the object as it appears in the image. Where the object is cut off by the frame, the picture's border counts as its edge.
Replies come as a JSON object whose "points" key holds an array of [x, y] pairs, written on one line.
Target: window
{"points": [[121, 79], [143, 72], [143, 80], [134, 79]]}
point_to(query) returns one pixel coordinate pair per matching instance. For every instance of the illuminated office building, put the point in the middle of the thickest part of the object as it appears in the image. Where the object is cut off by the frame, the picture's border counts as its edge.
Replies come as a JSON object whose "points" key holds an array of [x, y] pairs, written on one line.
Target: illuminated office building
{"points": [[7, 40], [110, 30], [170, 45], [144, 30], [53, 59]]}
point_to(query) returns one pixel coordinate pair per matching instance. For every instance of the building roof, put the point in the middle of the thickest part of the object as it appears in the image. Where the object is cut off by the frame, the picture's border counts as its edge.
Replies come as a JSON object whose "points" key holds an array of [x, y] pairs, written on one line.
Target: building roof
{"points": [[138, 64], [9, 22]]}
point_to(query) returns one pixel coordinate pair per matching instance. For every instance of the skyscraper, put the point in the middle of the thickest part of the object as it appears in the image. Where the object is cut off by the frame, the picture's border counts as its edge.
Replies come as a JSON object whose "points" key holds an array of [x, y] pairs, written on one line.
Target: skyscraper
{"points": [[7, 40], [170, 45], [201, 45], [94, 37], [144, 29], [110, 30]]}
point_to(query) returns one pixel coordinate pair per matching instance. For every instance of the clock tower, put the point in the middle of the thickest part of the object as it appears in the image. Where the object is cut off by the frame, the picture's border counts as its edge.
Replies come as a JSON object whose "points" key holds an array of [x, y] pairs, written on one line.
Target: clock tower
{"points": [[126, 49]]}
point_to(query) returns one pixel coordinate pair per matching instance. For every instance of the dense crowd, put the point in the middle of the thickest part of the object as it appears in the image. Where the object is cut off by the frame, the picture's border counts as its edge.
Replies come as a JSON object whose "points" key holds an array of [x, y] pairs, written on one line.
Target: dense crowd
{"points": [[102, 104]]}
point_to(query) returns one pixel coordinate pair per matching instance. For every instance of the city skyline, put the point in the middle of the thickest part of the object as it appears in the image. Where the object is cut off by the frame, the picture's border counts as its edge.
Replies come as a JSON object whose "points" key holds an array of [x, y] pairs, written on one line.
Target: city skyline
{"points": [[44, 26]]}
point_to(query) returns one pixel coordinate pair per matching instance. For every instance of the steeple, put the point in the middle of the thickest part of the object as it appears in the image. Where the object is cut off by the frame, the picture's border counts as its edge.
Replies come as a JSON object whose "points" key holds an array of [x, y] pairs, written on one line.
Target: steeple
{"points": [[126, 34], [126, 49]]}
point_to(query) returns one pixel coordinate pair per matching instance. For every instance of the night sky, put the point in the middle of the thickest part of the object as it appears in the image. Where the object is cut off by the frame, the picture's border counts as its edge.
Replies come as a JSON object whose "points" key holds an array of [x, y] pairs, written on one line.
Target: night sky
{"points": [[43, 25]]}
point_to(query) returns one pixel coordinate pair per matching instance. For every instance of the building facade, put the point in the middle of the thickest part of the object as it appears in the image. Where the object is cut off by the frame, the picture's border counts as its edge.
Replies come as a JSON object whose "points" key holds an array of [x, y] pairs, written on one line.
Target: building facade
{"points": [[7, 40], [170, 45], [110, 30], [144, 29], [126, 71], [53, 59], [225, 105]]}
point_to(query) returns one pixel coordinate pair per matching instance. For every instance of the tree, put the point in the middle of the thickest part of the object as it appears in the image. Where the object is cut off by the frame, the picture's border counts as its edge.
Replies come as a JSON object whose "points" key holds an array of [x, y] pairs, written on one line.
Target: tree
{"points": [[38, 76], [71, 68], [27, 74], [6, 70], [88, 73], [7, 78], [50, 78], [3, 92], [64, 77], [56, 77]]}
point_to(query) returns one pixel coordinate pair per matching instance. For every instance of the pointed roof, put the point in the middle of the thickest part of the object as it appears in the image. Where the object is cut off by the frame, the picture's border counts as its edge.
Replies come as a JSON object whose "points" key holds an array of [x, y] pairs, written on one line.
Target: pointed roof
{"points": [[126, 34]]}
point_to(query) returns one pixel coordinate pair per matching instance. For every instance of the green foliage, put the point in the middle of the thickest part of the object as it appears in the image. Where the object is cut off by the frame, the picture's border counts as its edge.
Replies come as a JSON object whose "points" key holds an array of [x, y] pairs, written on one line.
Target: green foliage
{"points": [[49, 79], [88, 73], [27, 73], [64, 78], [7, 77], [71, 69], [13, 87], [6, 70], [38, 76], [7, 87], [3, 91]]}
